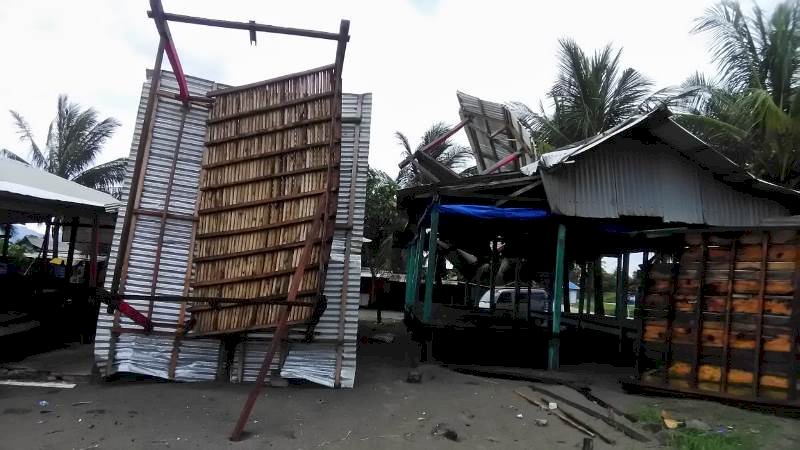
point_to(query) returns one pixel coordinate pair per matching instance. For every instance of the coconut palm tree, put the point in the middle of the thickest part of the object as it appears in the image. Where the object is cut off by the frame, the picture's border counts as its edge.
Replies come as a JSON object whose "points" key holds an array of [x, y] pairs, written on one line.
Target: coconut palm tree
{"points": [[452, 155], [74, 140], [590, 95], [751, 112]]}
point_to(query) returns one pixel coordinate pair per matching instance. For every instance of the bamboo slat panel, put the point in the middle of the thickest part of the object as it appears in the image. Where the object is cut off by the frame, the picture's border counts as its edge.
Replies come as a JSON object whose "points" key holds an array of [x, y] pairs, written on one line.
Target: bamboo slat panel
{"points": [[265, 171], [724, 317]]}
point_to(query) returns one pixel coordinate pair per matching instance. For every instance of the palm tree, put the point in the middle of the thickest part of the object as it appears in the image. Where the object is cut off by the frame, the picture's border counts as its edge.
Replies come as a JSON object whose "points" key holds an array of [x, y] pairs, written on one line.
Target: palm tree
{"points": [[453, 156], [589, 96], [74, 140], [752, 111]]}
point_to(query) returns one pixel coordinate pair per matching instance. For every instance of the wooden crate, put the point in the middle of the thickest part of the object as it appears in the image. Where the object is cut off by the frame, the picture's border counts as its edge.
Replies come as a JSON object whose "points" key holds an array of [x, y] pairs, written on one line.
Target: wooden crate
{"points": [[723, 317], [272, 151]]}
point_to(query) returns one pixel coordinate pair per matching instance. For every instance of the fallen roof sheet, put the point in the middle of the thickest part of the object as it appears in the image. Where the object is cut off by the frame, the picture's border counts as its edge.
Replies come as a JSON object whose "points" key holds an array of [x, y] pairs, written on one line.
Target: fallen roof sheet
{"points": [[198, 357], [494, 133]]}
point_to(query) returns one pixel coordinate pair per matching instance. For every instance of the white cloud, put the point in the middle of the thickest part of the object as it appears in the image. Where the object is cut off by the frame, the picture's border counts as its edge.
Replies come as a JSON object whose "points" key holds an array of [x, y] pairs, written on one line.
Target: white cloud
{"points": [[412, 58]]}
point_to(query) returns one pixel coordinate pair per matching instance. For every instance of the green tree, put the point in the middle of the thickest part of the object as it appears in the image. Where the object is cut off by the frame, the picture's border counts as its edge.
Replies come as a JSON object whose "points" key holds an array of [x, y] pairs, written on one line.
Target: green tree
{"points": [[590, 95], [751, 111], [379, 219], [74, 140], [452, 155]]}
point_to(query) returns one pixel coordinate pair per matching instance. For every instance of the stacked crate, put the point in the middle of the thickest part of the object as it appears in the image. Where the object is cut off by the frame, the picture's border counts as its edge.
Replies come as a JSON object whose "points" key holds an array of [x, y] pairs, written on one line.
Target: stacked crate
{"points": [[721, 316]]}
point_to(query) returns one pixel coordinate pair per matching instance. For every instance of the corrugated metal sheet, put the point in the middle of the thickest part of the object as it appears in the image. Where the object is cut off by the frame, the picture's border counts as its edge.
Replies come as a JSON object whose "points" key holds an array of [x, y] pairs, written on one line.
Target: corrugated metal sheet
{"points": [[494, 132], [198, 358], [631, 179], [150, 355], [316, 361]]}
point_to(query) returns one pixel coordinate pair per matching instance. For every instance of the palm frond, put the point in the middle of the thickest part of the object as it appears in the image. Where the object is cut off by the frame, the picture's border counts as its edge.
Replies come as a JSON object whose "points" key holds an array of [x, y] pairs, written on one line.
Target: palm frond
{"points": [[104, 177], [8, 154], [26, 135]]}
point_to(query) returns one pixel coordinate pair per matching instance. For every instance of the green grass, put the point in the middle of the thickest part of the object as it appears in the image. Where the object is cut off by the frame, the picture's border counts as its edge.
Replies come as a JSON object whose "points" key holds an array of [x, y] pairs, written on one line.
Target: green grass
{"points": [[689, 439]]}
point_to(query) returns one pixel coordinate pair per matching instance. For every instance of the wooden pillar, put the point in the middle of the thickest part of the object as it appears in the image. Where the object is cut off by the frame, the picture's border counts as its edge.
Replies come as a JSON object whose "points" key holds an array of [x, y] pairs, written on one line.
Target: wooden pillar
{"points": [[56, 229], [430, 274], [517, 290], [492, 268], [73, 235], [581, 292], [558, 297], [93, 253], [597, 278], [7, 239]]}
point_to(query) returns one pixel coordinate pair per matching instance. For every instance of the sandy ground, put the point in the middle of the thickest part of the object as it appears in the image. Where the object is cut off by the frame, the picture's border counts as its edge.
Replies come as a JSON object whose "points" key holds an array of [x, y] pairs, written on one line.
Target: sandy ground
{"points": [[383, 411]]}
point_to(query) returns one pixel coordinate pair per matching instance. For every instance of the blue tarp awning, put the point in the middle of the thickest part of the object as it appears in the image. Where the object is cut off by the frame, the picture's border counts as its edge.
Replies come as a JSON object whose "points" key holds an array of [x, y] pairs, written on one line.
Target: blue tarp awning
{"points": [[492, 212]]}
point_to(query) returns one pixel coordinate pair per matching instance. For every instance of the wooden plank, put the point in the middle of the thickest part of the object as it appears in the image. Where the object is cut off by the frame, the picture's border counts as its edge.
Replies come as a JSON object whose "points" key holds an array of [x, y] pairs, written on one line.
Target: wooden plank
{"points": [[698, 313], [134, 197], [263, 201], [271, 176], [290, 126], [726, 348], [269, 108], [163, 219], [282, 329], [759, 344]]}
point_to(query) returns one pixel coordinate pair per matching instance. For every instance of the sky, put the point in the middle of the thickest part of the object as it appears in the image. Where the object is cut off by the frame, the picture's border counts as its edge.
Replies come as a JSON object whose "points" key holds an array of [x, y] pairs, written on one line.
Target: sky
{"points": [[413, 55]]}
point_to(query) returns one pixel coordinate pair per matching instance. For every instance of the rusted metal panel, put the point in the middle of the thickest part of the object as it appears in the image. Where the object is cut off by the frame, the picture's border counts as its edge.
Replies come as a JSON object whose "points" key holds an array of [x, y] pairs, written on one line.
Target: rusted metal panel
{"points": [[721, 319]]}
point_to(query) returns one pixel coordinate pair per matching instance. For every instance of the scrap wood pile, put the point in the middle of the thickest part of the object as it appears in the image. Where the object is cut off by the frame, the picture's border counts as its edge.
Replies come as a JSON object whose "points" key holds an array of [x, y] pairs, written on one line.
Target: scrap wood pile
{"points": [[586, 417]]}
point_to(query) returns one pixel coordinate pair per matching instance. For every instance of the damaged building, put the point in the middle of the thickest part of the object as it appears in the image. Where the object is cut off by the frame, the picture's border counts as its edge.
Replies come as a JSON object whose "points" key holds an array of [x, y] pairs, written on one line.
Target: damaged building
{"points": [[685, 262]]}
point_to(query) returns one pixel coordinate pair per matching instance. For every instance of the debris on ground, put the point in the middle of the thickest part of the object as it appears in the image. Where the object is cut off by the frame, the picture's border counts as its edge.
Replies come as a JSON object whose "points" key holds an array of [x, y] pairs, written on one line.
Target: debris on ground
{"points": [[670, 422], [386, 338], [43, 403], [699, 425], [442, 430], [540, 422], [414, 376], [81, 403]]}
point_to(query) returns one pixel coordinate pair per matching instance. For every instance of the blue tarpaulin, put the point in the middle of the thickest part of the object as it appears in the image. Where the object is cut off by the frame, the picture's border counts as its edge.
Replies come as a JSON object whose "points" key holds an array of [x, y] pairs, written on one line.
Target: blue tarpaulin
{"points": [[492, 212]]}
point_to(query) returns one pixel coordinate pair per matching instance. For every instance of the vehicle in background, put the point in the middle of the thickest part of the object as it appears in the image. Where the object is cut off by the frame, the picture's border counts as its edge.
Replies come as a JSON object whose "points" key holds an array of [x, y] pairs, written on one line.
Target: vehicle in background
{"points": [[538, 300]]}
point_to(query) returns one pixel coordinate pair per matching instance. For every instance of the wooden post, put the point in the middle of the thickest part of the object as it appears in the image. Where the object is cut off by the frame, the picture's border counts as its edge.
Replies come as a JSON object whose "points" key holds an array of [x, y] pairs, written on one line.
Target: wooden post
{"points": [[411, 254], [430, 274], [637, 311], [492, 268], [558, 297], [93, 253], [726, 330], [7, 239], [760, 311], [517, 290], [623, 262], [73, 235], [597, 272], [581, 293], [134, 197], [698, 314], [56, 229]]}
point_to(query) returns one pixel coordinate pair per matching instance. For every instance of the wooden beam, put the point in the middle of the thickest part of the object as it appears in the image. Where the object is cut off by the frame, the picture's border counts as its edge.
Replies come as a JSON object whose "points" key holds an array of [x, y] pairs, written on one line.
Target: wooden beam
{"points": [[726, 333], [163, 219], [698, 313], [430, 273], [436, 142], [73, 236], [251, 26], [760, 312], [519, 192]]}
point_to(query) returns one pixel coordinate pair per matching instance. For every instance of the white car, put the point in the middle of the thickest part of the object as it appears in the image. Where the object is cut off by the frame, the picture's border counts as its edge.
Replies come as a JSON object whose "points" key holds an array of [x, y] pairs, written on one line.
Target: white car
{"points": [[538, 299]]}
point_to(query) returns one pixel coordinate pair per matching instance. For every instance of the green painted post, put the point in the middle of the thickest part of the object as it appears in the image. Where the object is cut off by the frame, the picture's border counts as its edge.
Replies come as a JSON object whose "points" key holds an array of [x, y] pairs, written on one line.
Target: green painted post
{"points": [[411, 257], [558, 298], [431, 273]]}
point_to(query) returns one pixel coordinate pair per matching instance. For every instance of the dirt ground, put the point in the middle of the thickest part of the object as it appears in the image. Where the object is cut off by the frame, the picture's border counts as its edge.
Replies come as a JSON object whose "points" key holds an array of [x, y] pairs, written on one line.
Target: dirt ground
{"points": [[382, 411]]}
